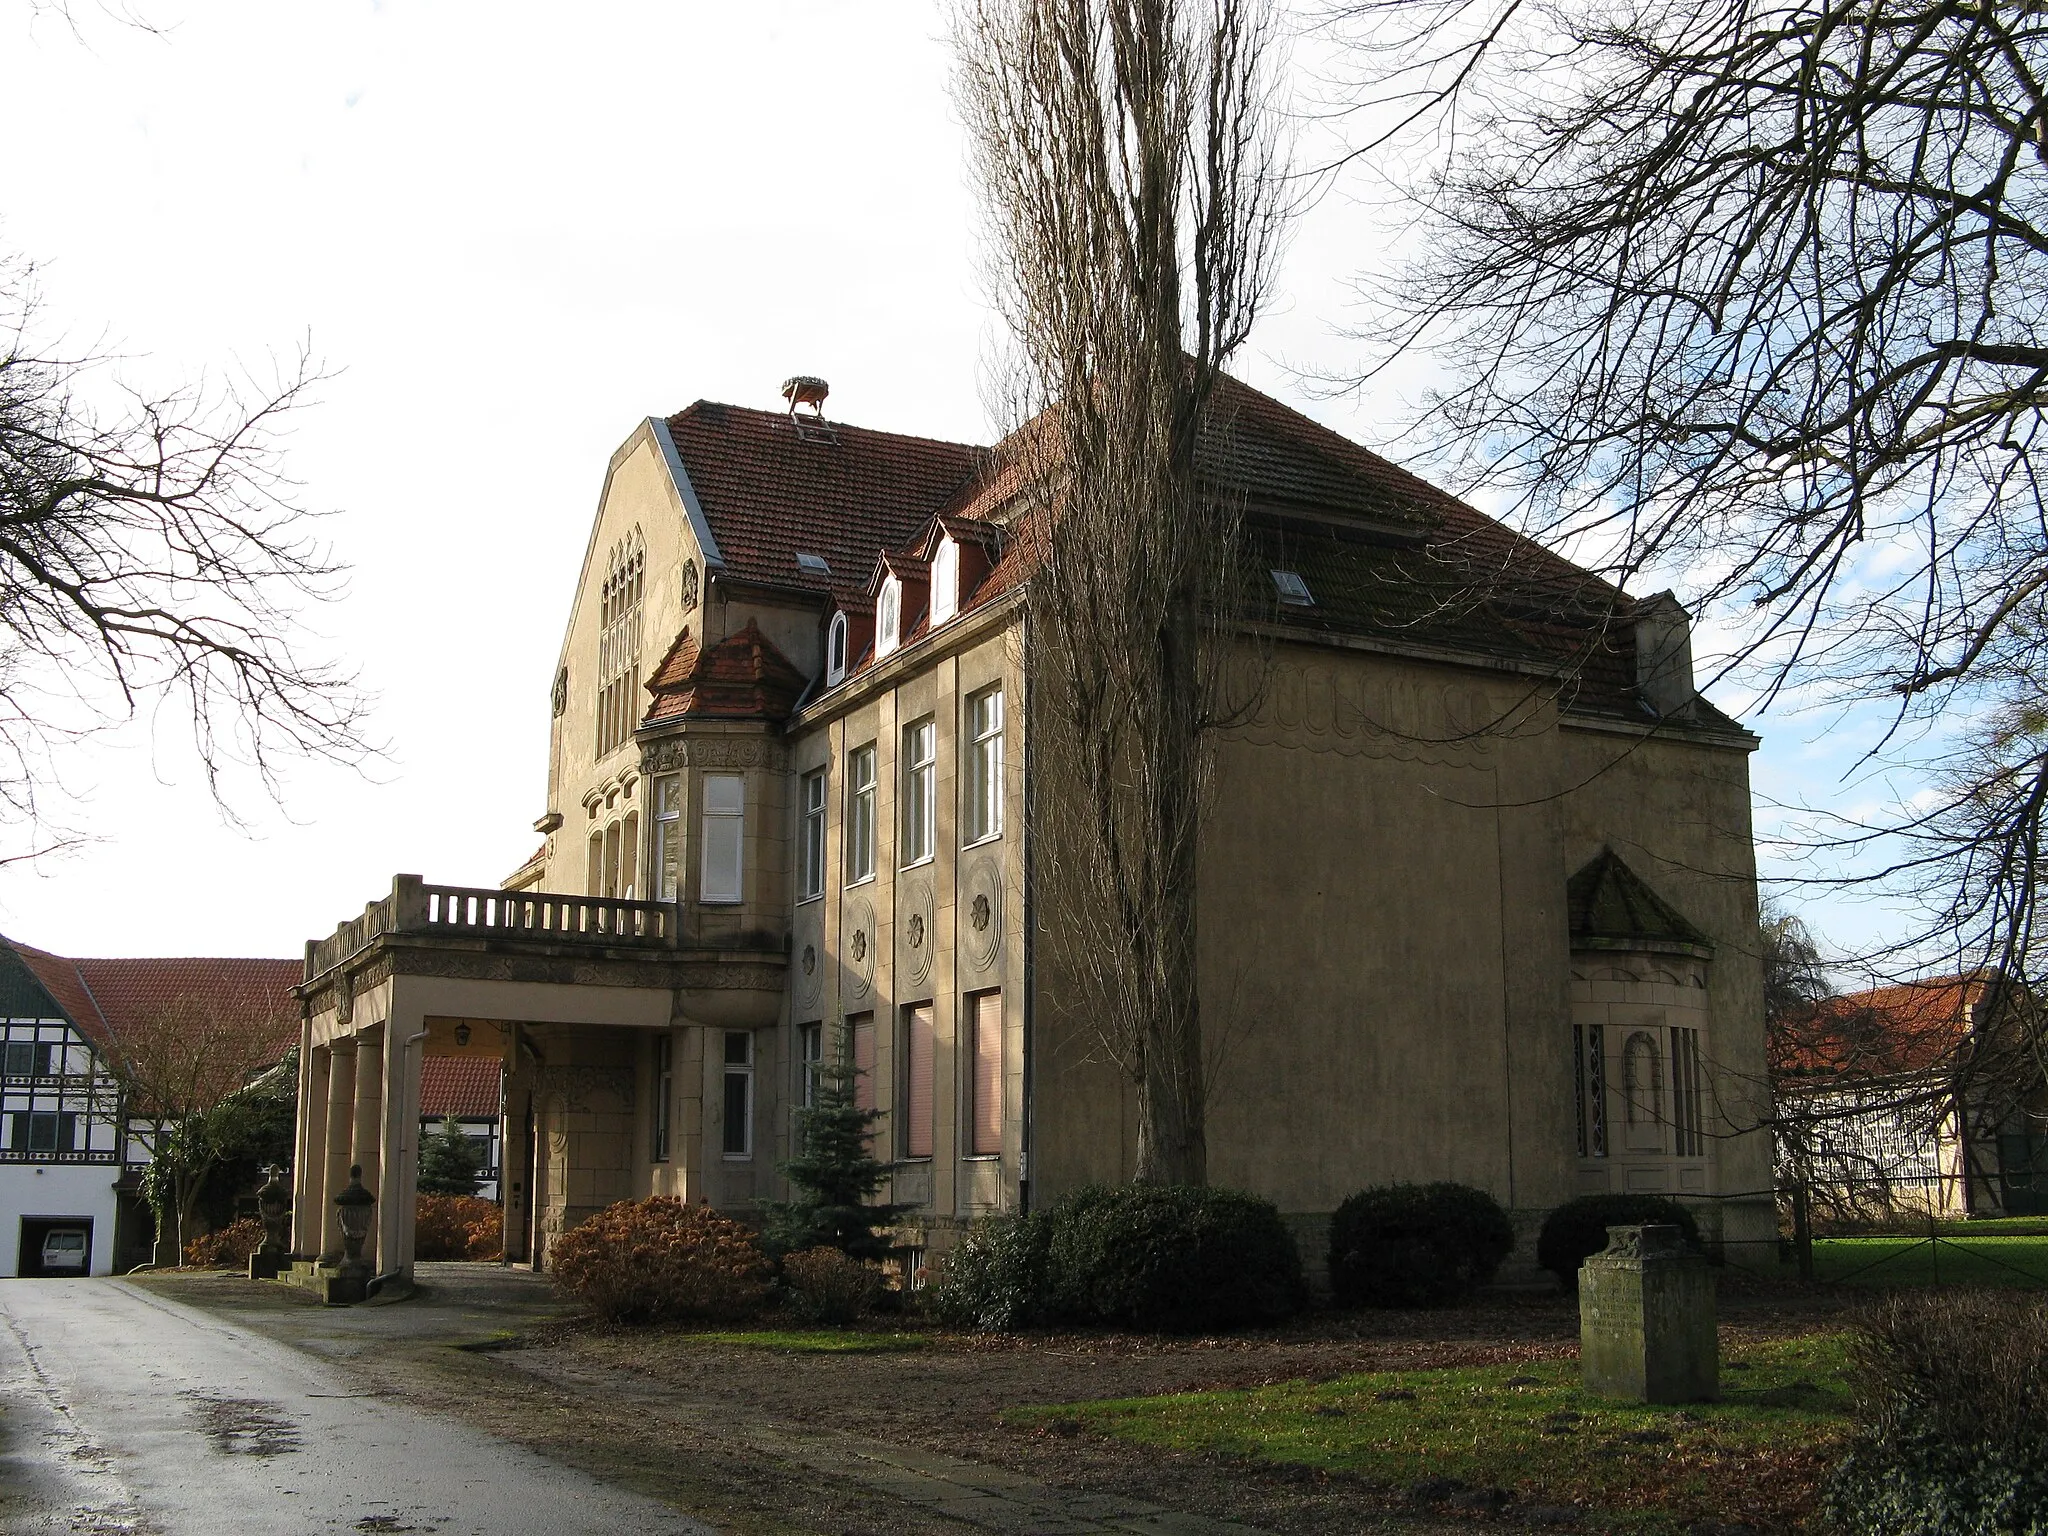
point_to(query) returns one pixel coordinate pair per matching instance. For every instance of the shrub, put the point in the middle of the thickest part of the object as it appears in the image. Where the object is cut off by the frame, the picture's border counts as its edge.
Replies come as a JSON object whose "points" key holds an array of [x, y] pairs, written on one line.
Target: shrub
{"points": [[457, 1227], [994, 1277], [1174, 1258], [651, 1260], [835, 1176], [1951, 1391], [450, 1161], [1416, 1245], [1577, 1230], [228, 1248], [825, 1286]]}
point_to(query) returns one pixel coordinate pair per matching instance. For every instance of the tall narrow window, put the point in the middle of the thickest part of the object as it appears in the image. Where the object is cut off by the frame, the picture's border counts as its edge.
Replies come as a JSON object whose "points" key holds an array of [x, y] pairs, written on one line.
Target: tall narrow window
{"points": [[611, 860], [593, 884], [618, 644], [1690, 1130], [985, 1076], [668, 836], [835, 649], [918, 1063], [629, 857], [945, 581], [1642, 1090], [984, 781], [810, 1047], [725, 825], [860, 813], [860, 1028], [920, 757], [811, 843], [664, 1092], [1593, 1091], [889, 616], [739, 1093]]}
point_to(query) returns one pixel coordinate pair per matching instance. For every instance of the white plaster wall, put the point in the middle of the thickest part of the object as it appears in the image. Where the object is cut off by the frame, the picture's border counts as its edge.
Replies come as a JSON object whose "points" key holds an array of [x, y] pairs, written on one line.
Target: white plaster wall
{"points": [[52, 1189]]}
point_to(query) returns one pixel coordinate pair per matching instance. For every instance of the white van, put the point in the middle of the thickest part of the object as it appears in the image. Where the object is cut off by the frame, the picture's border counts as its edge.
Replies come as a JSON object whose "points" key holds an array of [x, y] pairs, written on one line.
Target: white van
{"points": [[66, 1251]]}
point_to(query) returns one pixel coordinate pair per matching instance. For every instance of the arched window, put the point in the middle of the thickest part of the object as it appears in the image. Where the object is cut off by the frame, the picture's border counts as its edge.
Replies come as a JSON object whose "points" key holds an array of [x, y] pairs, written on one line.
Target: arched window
{"points": [[888, 617], [945, 581], [618, 644], [1642, 1087], [835, 649]]}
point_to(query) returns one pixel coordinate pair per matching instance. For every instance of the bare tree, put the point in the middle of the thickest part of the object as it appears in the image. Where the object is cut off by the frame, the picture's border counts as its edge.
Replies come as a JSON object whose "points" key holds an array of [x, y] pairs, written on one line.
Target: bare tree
{"points": [[1751, 290], [1127, 161], [152, 554]]}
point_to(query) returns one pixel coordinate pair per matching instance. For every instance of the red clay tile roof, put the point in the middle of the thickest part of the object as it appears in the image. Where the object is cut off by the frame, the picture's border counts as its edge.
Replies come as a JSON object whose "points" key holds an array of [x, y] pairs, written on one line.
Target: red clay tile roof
{"points": [[459, 1085], [770, 495], [242, 1012], [743, 677], [1884, 1032]]}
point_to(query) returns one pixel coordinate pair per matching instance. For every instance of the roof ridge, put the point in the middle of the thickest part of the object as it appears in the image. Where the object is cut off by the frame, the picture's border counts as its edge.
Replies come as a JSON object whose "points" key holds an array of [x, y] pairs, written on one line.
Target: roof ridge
{"points": [[834, 422]]}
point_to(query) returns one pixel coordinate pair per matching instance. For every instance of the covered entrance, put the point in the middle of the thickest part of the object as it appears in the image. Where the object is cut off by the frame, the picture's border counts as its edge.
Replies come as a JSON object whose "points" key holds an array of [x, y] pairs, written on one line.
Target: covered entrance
{"points": [[587, 1004]]}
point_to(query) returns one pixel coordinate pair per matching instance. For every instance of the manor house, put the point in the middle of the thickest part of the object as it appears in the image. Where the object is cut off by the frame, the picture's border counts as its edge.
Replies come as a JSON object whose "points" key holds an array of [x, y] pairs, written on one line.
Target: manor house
{"points": [[1477, 894]]}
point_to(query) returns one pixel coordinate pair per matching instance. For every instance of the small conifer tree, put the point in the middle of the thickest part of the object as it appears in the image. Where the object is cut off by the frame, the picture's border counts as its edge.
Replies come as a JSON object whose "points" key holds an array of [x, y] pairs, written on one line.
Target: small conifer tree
{"points": [[835, 1174], [449, 1161]]}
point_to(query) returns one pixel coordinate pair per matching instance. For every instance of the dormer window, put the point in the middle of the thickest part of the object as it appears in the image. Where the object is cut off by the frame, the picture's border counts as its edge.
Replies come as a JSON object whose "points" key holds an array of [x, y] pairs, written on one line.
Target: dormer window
{"points": [[813, 565], [835, 649], [1293, 590], [945, 581], [889, 617]]}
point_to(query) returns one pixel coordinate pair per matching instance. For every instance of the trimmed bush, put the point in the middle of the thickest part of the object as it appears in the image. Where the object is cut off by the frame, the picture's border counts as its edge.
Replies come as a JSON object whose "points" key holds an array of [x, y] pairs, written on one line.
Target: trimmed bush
{"points": [[1170, 1258], [229, 1248], [994, 1277], [644, 1261], [1416, 1245], [1577, 1230], [1951, 1439], [823, 1285], [457, 1227]]}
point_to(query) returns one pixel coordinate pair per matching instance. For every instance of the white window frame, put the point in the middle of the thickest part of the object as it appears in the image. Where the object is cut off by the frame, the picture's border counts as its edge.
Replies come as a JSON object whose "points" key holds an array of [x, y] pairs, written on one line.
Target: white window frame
{"points": [[889, 617], [666, 875], [743, 1069], [810, 1053], [982, 784], [810, 854], [836, 640], [714, 889], [860, 814], [945, 580], [919, 829]]}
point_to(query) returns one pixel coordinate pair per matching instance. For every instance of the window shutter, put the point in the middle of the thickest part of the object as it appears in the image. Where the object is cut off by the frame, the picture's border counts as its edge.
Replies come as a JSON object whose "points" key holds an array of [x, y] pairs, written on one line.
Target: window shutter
{"points": [[917, 1135], [864, 1061], [988, 1074]]}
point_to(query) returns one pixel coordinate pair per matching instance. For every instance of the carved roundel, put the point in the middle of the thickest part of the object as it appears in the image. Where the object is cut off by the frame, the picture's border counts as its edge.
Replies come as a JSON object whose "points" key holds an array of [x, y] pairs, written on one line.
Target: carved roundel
{"points": [[810, 974], [860, 947], [918, 932], [981, 939]]}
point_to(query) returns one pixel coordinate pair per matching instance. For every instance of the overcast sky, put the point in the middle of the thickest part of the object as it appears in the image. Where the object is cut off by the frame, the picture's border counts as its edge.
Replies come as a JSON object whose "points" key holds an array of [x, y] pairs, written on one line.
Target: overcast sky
{"points": [[514, 231]]}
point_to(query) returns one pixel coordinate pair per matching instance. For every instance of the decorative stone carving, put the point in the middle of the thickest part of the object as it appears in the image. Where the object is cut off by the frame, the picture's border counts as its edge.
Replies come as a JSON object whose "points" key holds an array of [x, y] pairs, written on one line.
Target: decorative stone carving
{"points": [[860, 947], [686, 586], [577, 1086], [982, 941], [671, 753], [917, 932], [559, 699], [344, 998], [809, 980]]}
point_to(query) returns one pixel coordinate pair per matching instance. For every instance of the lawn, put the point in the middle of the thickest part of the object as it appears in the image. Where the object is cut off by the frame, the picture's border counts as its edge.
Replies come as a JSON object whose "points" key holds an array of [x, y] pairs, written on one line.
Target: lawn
{"points": [[816, 1341], [1953, 1260], [1448, 1436]]}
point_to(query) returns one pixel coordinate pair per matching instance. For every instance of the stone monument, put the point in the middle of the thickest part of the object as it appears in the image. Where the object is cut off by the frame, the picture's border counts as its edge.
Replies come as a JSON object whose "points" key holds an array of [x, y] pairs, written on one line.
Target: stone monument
{"points": [[1646, 1319], [274, 1205], [354, 1208]]}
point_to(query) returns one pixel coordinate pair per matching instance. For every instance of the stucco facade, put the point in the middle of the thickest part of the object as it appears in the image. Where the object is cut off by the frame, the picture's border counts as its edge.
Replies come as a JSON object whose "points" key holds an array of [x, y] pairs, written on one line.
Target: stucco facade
{"points": [[812, 836]]}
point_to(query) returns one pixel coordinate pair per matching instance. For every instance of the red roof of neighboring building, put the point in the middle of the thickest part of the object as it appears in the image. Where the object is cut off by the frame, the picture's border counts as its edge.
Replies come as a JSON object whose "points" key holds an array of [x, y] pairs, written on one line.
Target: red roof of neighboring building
{"points": [[743, 677], [241, 1013], [1883, 1032], [464, 1086]]}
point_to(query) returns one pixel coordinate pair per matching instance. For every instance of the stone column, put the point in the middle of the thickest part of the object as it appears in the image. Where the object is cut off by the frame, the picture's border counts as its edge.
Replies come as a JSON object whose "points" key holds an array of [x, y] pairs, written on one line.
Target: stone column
{"points": [[366, 1137], [309, 1169], [399, 1182], [340, 1127]]}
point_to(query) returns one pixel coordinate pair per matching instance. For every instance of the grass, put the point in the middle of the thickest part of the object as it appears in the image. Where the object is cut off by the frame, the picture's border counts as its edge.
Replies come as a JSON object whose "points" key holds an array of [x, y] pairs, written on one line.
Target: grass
{"points": [[1954, 1260], [1755, 1457], [816, 1341]]}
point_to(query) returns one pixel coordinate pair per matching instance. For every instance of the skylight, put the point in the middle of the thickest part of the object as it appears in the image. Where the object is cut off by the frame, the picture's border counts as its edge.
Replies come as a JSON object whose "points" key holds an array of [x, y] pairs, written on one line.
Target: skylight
{"points": [[815, 564], [1293, 589]]}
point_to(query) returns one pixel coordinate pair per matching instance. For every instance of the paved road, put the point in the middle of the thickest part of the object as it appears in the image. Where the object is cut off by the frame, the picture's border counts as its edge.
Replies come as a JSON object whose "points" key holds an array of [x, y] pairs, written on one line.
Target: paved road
{"points": [[123, 1412]]}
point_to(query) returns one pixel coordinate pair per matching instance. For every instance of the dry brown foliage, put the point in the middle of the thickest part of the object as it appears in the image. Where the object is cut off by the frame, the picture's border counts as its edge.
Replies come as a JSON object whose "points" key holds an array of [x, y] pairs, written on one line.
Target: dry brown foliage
{"points": [[659, 1259], [457, 1227]]}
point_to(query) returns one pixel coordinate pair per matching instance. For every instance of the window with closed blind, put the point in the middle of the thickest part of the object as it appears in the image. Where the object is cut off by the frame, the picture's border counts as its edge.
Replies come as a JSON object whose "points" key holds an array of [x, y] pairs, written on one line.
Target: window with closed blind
{"points": [[985, 1074], [918, 1062], [725, 836], [860, 1029]]}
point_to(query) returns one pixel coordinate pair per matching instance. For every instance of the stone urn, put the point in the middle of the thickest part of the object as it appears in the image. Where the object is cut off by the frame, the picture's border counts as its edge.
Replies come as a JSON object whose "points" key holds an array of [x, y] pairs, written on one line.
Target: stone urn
{"points": [[355, 1209], [274, 1206]]}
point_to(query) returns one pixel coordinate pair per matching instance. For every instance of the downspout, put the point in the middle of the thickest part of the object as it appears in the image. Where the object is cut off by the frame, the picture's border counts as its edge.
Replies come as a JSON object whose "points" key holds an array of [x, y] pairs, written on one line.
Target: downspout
{"points": [[1030, 924]]}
